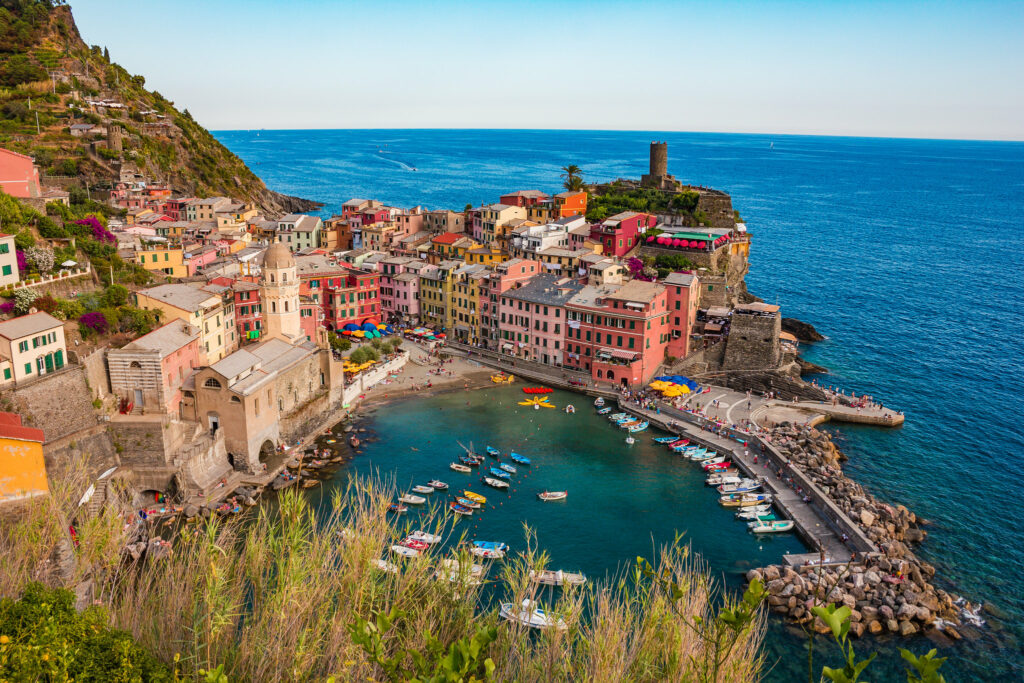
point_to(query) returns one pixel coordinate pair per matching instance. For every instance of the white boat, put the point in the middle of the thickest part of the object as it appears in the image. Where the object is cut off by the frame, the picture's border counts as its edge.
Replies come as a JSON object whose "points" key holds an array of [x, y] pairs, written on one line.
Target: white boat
{"points": [[496, 483], [745, 486], [425, 537], [754, 512], [530, 615], [552, 495], [548, 577], [419, 488], [412, 500], [776, 527], [458, 467], [488, 553], [384, 566], [405, 552]]}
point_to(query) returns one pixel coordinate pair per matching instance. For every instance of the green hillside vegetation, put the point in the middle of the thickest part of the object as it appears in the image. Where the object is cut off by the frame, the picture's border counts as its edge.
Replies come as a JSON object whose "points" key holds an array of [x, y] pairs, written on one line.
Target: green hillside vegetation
{"points": [[46, 74]]}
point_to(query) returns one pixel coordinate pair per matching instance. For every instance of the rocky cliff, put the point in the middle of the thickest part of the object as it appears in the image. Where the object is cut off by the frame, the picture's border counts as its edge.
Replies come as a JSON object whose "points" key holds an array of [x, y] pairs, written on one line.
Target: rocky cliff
{"points": [[50, 79]]}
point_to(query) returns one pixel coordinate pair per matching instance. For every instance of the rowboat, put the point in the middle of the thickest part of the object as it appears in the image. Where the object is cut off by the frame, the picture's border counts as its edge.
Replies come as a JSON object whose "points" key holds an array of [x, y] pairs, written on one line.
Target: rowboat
{"points": [[459, 468], [419, 488], [493, 452], [508, 468], [459, 509], [552, 495], [732, 500], [384, 566], [396, 508], [425, 537], [495, 483], [488, 554], [466, 502], [665, 439], [530, 615], [638, 428], [501, 474], [604, 411], [412, 500], [745, 486], [438, 485], [599, 401], [404, 552], [774, 527], [475, 496], [520, 459], [414, 543], [548, 577]]}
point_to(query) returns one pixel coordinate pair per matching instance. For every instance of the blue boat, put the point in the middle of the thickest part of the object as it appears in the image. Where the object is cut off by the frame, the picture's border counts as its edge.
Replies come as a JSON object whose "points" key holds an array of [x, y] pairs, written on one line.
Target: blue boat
{"points": [[508, 468], [491, 545], [493, 452], [521, 459], [500, 473]]}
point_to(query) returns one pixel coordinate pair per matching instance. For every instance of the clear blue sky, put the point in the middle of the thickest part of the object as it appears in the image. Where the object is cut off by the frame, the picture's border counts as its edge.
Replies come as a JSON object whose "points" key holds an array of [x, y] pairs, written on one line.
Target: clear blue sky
{"points": [[903, 69]]}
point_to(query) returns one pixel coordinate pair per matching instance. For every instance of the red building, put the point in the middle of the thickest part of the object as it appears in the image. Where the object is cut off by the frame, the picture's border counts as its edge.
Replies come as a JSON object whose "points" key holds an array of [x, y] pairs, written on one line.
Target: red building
{"points": [[19, 176], [618, 333], [620, 233]]}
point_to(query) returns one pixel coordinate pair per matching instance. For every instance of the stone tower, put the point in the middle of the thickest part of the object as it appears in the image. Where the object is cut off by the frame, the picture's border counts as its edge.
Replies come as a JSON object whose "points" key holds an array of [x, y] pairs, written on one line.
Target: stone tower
{"points": [[114, 134], [658, 176], [279, 290], [659, 159]]}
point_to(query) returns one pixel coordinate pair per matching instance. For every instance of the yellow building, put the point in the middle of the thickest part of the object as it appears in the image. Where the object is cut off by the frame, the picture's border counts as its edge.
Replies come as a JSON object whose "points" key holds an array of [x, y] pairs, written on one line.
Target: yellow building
{"points": [[485, 256], [163, 258], [212, 312], [22, 466]]}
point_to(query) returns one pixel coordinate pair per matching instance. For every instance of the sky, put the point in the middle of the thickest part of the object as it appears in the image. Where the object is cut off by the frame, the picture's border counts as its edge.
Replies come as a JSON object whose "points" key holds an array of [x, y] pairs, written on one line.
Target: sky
{"points": [[888, 69]]}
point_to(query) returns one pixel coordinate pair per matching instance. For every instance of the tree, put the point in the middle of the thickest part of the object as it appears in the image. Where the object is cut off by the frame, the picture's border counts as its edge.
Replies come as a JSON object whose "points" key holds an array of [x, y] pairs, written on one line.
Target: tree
{"points": [[573, 177]]}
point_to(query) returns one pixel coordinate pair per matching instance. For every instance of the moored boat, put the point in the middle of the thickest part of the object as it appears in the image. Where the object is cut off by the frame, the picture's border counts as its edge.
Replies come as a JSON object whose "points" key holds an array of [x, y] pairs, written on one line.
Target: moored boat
{"points": [[550, 577], [495, 483], [772, 527], [530, 615], [552, 495], [438, 485], [519, 459], [475, 496], [501, 474], [458, 467]]}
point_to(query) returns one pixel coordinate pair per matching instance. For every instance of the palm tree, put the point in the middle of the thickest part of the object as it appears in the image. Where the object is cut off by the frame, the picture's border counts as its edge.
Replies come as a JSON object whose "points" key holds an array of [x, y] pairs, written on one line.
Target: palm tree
{"points": [[573, 177]]}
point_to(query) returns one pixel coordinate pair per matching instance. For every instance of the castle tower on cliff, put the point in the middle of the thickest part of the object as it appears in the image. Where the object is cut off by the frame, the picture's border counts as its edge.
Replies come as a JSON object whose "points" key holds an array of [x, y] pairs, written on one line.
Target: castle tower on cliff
{"points": [[658, 176], [279, 287]]}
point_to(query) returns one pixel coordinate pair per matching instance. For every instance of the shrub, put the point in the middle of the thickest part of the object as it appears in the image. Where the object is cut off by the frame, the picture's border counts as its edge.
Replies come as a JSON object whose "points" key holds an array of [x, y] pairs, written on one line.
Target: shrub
{"points": [[23, 300], [45, 638]]}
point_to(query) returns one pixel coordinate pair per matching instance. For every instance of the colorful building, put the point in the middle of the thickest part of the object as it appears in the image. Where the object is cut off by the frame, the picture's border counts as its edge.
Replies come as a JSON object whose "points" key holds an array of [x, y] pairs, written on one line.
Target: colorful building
{"points": [[533, 318], [22, 468], [619, 334]]}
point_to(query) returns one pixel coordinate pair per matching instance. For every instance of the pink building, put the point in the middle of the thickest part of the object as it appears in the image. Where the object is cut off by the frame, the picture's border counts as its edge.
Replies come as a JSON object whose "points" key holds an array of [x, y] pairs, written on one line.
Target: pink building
{"points": [[620, 233], [533, 318], [683, 300], [503, 277], [19, 176], [618, 333]]}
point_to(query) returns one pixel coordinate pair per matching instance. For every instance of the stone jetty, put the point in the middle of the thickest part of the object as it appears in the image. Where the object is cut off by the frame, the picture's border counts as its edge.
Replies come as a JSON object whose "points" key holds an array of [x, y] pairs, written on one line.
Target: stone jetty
{"points": [[890, 591]]}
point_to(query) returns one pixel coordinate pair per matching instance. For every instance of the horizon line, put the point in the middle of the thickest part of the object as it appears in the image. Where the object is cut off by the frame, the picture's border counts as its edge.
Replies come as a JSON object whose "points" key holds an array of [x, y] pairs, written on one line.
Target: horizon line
{"points": [[628, 130]]}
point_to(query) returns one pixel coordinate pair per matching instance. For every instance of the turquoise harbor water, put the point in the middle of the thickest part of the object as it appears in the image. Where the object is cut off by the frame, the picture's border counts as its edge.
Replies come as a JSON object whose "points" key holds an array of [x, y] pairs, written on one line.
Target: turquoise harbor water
{"points": [[907, 254]]}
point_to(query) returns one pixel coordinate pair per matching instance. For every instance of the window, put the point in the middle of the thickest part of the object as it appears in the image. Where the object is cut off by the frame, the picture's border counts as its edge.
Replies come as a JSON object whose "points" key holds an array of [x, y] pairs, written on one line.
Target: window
{"points": [[212, 383]]}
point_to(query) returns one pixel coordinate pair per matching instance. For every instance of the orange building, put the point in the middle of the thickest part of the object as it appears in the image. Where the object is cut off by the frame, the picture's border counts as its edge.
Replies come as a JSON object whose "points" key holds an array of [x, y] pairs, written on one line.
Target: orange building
{"points": [[22, 469]]}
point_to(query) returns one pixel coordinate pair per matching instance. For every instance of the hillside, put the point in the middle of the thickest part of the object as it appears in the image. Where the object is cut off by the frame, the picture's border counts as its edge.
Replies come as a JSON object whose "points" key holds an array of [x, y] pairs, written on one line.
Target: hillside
{"points": [[50, 80]]}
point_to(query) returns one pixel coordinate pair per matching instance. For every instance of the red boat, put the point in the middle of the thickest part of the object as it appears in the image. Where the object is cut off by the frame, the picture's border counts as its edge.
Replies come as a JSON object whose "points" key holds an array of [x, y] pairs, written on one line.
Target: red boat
{"points": [[415, 544]]}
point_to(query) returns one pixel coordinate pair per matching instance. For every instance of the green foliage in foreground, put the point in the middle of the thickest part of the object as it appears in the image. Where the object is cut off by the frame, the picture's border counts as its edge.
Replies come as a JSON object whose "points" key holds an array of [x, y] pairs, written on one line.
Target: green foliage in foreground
{"points": [[42, 637]]}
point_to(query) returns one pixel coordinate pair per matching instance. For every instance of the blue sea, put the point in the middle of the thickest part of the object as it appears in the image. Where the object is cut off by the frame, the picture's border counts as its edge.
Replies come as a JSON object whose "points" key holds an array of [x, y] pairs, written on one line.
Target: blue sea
{"points": [[907, 254]]}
